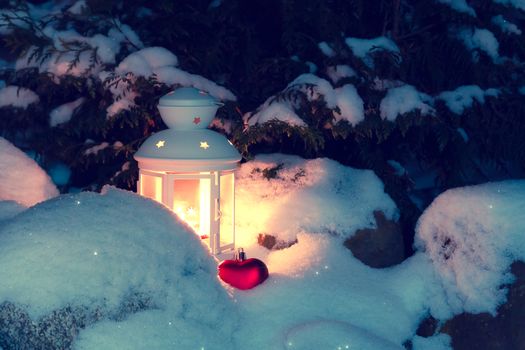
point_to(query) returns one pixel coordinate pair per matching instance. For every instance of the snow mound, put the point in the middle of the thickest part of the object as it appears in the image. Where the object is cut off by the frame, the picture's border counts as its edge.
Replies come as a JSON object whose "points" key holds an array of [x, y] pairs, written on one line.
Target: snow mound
{"points": [[283, 109], [351, 106], [9, 209], [519, 4], [472, 235], [440, 341], [326, 49], [460, 6], [276, 111], [99, 250], [21, 179], [291, 194], [506, 26], [336, 73], [363, 48], [17, 97], [463, 97], [404, 99], [63, 113], [320, 88], [334, 335], [480, 39]]}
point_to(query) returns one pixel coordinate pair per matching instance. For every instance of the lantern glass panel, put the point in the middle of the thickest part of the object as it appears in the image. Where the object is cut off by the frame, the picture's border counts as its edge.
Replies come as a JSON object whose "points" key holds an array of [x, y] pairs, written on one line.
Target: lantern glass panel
{"points": [[191, 202], [151, 187], [227, 209]]}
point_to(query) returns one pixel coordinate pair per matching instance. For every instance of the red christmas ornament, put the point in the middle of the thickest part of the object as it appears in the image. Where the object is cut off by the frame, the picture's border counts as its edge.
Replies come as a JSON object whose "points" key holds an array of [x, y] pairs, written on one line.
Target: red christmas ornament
{"points": [[243, 273]]}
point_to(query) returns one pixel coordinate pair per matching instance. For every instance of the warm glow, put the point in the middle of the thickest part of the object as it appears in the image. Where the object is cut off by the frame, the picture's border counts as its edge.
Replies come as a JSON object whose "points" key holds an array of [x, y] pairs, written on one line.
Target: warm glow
{"points": [[191, 203], [151, 187], [204, 145], [160, 144]]}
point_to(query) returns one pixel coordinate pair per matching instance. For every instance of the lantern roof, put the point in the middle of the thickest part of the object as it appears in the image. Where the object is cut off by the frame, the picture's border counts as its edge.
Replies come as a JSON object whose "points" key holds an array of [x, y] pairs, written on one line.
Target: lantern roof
{"points": [[187, 150], [188, 97]]}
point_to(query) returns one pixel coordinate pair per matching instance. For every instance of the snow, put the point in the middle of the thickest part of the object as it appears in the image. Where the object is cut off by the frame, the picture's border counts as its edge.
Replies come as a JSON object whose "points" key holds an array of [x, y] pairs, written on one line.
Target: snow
{"points": [[285, 204], [362, 48], [336, 73], [398, 168], [350, 104], [520, 4], [506, 26], [143, 62], [436, 342], [404, 99], [321, 87], [276, 111], [480, 39], [472, 235], [463, 134], [132, 246], [124, 33], [9, 209], [326, 49], [161, 63], [345, 98], [63, 113], [318, 295], [77, 7], [102, 146], [21, 179], [17, 97], [463, 97], [460, 6]]}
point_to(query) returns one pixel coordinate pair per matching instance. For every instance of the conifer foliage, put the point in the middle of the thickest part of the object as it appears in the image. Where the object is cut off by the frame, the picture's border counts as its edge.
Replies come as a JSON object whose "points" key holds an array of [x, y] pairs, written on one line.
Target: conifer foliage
{"points": [[427, 93]]}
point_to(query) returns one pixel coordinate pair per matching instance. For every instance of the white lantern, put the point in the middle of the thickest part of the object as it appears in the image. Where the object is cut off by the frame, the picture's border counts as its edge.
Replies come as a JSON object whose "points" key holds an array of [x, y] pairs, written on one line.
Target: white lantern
{"points": [[190, 169]]}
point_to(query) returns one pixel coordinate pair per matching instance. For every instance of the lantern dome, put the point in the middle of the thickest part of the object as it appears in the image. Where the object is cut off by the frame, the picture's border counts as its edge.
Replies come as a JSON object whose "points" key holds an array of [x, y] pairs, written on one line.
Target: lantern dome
{"points": [[187, 150], [188, 108], [188, 97]]}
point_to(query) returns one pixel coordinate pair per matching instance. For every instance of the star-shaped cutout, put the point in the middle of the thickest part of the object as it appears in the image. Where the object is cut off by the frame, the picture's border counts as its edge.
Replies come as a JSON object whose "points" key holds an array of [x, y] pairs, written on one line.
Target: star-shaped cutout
{"points": [[204, 145], [196, 120], [160, 144]]}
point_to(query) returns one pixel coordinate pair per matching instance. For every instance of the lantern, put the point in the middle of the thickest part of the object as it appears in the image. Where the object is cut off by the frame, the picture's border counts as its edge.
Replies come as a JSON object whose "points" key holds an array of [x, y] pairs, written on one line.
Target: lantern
{"points": [[190, 168]]}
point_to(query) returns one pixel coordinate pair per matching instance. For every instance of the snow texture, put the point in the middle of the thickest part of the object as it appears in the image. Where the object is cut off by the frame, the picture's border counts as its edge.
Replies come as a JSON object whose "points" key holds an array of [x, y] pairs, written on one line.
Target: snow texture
{"points": [[404, 99], [463, 97], [506, 26], [285, 203], [460, 6], [437, 342], [63, 113], [336, 73], [98, 250], [95, 250], [362, 48], [480, 39], [351, 106], [17, 97], [520, 4], [345, 98], [161, 63], [276, 111], [320, 88], [21, 179], [472, 235], [9, 209], [326, 49], [77, 7]]}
